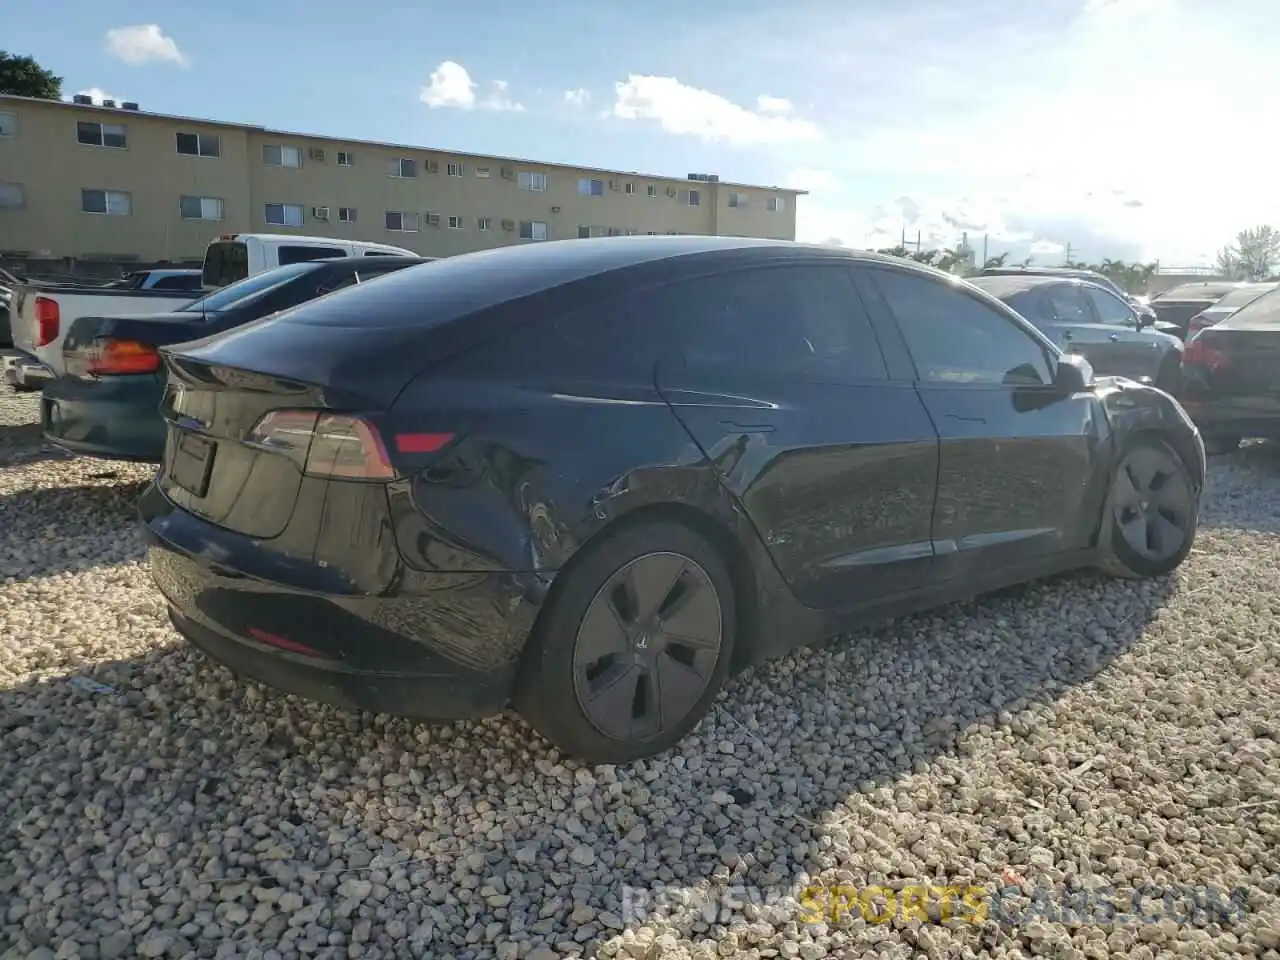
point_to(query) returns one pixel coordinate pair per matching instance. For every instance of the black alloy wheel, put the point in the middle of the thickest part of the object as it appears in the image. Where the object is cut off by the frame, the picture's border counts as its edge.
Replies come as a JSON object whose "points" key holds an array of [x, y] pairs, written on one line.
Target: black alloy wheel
{"points": [[1154, 509], [633, 647], [647, 646]]}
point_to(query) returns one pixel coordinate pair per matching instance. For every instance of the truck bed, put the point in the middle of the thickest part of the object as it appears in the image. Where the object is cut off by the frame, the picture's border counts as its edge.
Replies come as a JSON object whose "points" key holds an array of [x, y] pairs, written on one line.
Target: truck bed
{"points": [[74, 301]]}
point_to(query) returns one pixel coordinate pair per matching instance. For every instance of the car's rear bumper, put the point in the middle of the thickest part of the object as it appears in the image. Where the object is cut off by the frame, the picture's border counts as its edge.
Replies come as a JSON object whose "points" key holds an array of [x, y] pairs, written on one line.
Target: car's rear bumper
{"points": [[439, 646], [1257, 417], [22, 371], [117, 417]]}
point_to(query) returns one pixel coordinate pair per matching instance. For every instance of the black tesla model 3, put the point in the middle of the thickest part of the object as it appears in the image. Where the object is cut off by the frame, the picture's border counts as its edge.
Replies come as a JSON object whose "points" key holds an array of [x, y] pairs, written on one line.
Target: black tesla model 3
{"points": [[593, 478]]}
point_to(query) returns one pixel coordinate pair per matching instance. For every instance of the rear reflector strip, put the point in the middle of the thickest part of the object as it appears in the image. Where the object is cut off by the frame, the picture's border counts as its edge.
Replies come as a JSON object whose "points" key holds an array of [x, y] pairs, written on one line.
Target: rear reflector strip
{"points": [[422, 442], [275, 640]]}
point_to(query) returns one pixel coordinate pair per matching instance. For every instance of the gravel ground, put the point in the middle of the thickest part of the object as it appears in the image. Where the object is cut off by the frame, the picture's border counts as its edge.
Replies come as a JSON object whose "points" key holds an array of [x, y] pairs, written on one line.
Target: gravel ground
{"points": [[1081, 735]]}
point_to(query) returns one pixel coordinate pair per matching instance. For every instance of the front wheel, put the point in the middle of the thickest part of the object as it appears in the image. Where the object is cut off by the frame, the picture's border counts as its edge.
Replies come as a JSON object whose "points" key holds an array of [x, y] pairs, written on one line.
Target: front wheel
{"points": [[1152, 511], [634, 647]]}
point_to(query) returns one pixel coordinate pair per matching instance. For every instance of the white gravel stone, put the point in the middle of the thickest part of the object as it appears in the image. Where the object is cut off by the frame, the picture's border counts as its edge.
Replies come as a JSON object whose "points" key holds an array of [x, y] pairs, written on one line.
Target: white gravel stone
{"points": [[1084, 733]]}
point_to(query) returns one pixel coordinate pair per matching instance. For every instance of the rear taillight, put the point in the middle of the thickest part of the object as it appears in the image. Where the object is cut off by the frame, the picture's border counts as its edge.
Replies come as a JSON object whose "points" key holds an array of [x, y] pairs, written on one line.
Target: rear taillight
{"points": [[1197, 323], [112, 357], [48, 316], [337, 445], [1200, 354]]}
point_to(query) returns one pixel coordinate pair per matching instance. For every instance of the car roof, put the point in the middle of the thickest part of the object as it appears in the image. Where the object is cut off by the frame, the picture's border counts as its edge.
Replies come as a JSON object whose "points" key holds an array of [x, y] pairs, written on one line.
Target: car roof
{"points": [[1199, 290], [472, 282], [1007, 285]]}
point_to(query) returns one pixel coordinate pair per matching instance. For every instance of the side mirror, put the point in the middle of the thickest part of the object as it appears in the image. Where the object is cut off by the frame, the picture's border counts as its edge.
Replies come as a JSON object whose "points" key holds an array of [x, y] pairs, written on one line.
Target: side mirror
{"points": [[1073, 374]]}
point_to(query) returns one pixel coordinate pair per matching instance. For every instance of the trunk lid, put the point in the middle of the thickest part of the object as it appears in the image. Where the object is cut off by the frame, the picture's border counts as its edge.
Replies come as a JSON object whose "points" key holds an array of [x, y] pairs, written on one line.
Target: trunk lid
{"points": [[156, 330], [1225, 361]]}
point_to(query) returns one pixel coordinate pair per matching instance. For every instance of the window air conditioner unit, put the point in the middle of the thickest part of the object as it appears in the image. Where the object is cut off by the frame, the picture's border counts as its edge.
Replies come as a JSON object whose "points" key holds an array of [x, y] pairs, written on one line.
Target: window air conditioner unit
{"points": [[671, 191], [555, 209], [508, 224], [508, 173], [320, 213], [433, 219], [316, 153], [433, 166]]}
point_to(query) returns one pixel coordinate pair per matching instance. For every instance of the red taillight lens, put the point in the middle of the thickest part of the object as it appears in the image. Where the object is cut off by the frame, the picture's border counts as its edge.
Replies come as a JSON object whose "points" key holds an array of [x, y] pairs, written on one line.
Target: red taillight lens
{"points": [[48, 317], [334, 445], [113, 357], [1200, 354]]}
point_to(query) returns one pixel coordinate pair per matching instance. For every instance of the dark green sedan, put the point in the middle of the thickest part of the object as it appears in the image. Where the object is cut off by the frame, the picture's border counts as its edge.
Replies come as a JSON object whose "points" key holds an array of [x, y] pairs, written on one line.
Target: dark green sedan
{"points": [[107, 404]]}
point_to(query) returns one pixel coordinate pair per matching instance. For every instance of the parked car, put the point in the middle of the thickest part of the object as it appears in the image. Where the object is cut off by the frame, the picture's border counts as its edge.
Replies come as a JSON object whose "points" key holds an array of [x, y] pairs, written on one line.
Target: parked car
{"points": [[1225, 307], [1231, 382], [234, 256], [1139, 304], [594, 478], [1177, 305], [1084, 318], [107, 403]]}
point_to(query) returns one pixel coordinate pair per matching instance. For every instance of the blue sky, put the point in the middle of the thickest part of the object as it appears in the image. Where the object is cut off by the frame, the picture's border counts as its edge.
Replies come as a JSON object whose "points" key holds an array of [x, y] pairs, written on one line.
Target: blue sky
{"points": [[1040, 124]]}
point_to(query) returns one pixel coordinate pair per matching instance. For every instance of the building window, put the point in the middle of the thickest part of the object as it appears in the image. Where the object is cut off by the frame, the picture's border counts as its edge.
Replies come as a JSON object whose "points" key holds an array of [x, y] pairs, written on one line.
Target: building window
{"points": [[692, 198], [533, 230], [346, 158], [101, 134], [12, 196], [630, 233], [483, 173], [200, 208], [346, 214], [284, 214], [775, 205], [591, 188], [629, 189], [651, 192], [402, 168], [275, 155], [401, 221], [114, 202], [199, 145], [651, 233], [536, 182], [738, 200], [456, 170], [455, 223], [8, 124], [485, 223], [585, 232]]}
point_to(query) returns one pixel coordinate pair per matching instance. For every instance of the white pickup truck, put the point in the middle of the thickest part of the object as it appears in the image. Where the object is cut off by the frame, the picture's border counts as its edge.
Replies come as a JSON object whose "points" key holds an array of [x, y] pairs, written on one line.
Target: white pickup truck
{"points": [[41, 313]]}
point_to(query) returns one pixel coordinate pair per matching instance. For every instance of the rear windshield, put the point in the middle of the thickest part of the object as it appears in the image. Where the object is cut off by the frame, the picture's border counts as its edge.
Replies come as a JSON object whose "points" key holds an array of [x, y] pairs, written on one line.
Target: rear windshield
{"points": [[1238, 298], [261, 283], [225, 262], [1262, 312]]}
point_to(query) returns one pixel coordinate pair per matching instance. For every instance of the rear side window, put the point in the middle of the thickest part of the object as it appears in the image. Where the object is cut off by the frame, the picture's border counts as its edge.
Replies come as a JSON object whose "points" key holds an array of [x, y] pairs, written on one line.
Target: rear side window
{"points": [[225, 263], [1111, 309], [178, 283], [801, 321], [955, 338], [297, 254], [804, 321], [1066, 304]]}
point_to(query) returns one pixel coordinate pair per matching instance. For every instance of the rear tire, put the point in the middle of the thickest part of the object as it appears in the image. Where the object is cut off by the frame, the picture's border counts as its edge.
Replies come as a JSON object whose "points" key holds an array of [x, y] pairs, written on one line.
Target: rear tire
{"points": [[1151, 513], [634, 646]]}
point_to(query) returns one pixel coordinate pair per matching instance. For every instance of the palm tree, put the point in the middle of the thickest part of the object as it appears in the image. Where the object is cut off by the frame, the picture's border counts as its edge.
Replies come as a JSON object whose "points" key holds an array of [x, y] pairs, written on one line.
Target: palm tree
{"points": [[995, 262]]}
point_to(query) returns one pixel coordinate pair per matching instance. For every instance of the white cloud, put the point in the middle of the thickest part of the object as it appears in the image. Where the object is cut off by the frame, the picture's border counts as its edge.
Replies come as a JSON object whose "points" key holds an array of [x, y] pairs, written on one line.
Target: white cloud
{"points": [[577, 98], [98, 95], [451, 86], [768, 104], [144, 43], [1046, 248], [690, 111]]}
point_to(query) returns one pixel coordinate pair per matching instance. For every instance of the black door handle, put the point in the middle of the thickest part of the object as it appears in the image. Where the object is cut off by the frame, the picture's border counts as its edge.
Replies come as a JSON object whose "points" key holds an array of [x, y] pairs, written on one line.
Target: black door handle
{"points": [[748, 427], [1115, 336]]}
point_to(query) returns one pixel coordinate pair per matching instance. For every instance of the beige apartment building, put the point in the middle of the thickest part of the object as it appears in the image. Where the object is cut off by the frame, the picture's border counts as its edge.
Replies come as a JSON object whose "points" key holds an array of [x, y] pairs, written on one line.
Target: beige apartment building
{"points": [[111, 182]]}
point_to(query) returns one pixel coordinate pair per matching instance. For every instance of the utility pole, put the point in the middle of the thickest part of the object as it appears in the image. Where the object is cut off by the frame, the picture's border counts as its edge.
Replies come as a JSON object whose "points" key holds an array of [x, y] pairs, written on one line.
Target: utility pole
{"points": [[1068, 251], [984, 250]]}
